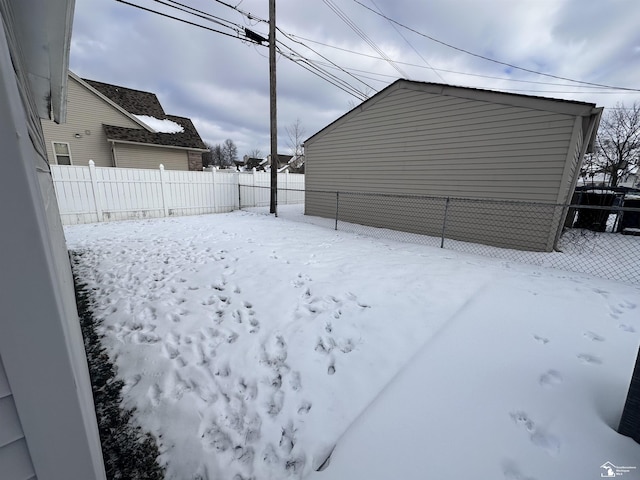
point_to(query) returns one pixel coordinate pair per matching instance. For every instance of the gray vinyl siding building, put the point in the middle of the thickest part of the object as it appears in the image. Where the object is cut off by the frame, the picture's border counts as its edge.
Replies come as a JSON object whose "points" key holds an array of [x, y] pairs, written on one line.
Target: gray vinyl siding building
{"points": [[441, 141]]}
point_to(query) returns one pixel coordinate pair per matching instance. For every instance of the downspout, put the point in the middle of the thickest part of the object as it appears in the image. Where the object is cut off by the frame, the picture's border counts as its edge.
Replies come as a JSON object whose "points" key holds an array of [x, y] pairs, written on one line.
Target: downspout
{"points": [[113, 154]]}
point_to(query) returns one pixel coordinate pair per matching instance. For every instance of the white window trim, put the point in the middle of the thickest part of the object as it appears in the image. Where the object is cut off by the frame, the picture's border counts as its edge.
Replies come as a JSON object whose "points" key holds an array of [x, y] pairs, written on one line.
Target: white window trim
{"points": [[55, 155]]}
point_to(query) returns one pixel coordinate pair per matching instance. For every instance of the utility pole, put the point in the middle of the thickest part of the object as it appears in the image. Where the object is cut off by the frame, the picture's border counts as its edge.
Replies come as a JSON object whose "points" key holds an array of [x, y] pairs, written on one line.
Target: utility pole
{"points": [[272, 108]]}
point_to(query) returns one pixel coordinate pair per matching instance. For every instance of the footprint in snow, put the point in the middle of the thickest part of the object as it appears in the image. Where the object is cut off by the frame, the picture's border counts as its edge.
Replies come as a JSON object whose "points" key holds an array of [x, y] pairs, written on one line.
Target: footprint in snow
{"points": [[511, 471], [295, 381], [304, 408], [542, 340], [626, 328], [155, 394], [550, 378], [594, 337], [590, 359], [537, 435], [275, 403]]}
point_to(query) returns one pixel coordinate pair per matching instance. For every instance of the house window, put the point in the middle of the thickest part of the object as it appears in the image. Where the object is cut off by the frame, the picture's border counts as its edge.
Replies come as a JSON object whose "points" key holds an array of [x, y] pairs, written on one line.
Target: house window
{"points": [[62, 152]]}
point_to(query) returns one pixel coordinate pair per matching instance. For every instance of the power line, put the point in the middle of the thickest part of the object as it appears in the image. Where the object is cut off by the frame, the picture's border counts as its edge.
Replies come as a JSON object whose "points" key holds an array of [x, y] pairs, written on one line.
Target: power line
{"points": [[310, 69], [477, 55], [323, 74], [185, 21], [409, 43], [384, 57], [345, 18], [328, 60], [298, 58], [198, 13], [246, 14], [493, 77]]}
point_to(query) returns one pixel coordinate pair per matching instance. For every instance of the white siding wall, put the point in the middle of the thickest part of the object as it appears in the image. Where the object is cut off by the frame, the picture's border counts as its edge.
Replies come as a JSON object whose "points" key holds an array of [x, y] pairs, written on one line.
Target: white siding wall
{"points": [[15, 461], [86, 112], [44, 383]]}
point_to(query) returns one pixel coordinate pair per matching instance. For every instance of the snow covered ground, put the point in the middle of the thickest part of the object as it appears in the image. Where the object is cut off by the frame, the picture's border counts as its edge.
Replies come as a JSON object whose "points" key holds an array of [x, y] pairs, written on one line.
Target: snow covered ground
{"points": [[250, 346]]}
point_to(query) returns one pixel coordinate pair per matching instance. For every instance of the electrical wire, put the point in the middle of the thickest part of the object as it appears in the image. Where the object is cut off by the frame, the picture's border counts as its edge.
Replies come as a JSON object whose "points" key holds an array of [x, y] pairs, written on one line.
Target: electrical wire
{"points": [[493, 77], [185, 21], [477, 55], [198, 13], [345, 18], [581, 84], [301, 60], [246, 14], [325, 58], [409, 43]]}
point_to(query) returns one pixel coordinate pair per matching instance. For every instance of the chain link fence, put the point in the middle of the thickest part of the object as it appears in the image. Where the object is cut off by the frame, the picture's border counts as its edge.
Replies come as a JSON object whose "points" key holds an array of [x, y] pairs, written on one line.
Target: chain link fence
{"points": [[601, 241]]}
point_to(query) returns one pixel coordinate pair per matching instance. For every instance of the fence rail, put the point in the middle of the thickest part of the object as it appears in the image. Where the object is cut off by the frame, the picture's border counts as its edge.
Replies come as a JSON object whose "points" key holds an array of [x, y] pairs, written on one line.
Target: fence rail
{"points": [[599, 240], [99, 194]]}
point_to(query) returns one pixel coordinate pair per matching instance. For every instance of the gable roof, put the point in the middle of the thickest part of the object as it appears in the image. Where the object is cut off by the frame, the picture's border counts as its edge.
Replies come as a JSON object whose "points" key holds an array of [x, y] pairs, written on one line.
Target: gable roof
{"points": [[556, 105], [137, 102], [133, 101]]}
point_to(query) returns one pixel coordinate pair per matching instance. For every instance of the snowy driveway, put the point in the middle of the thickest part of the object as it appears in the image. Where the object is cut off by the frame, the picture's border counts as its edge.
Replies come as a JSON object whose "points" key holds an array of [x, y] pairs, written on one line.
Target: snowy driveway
{"points": [[249, 344]]}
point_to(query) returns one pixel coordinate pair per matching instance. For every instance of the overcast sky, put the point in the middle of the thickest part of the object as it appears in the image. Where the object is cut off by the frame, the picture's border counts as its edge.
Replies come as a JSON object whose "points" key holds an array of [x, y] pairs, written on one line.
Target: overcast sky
{"points": [[222, 83]]}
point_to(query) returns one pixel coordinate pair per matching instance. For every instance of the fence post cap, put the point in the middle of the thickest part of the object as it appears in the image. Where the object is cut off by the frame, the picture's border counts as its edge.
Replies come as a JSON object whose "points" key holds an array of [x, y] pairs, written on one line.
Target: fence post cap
{"points": [[254, 170], [161, 167], [92, 163]]}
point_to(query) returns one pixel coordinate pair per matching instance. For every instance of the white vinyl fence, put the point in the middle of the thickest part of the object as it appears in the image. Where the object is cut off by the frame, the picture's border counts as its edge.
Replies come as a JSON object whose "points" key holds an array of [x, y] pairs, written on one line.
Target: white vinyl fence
{"points": [[101, 194]]}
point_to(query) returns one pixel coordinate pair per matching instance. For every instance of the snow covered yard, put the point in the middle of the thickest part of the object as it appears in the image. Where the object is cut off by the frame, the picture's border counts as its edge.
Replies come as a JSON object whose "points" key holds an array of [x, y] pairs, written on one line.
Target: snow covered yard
{"points": [[249, 345]]}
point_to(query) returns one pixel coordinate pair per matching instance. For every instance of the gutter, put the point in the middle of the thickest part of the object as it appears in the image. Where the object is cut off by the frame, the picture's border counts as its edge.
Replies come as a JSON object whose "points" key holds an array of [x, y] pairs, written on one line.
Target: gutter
{"points": [[176, 147]]}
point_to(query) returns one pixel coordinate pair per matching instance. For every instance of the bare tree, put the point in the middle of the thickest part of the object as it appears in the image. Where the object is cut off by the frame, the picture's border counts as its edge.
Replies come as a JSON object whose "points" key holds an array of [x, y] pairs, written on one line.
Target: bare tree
{"points": [[296, 134], [229, 152], [255, 153], [213, 156], [617, 144]]}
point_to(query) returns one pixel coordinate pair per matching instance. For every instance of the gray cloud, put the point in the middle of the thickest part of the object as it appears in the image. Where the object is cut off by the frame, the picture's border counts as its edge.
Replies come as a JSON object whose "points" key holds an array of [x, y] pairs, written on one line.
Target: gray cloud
{"points": [[222, 83]]}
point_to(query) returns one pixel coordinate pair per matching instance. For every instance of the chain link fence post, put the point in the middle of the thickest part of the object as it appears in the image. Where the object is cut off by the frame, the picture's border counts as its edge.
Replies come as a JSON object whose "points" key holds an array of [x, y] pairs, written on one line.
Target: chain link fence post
{"points": [[337, 206], [444, 222]]}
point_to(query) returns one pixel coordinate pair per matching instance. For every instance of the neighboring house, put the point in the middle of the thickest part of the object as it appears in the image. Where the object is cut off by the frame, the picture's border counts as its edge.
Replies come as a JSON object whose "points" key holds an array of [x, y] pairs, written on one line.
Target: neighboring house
{"points": [[295, 164], [121, 127], [285, 164], [252, 162], [48, 427], [415, 138]]}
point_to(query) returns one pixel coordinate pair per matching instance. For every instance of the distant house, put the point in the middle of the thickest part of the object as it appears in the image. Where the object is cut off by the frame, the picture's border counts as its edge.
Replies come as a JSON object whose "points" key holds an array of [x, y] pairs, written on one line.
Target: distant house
{"points": [[48, 427], [121, 127], [428, 139], [295, 164], [264, 164], [251, 162]]}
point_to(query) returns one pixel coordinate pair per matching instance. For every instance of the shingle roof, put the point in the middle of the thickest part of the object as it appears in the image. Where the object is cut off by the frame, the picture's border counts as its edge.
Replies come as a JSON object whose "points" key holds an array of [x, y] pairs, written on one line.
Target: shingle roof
{"points": [[138, 102], [189, 138], [133, 101]]}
